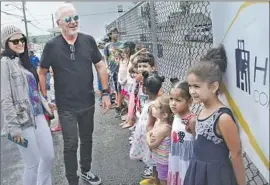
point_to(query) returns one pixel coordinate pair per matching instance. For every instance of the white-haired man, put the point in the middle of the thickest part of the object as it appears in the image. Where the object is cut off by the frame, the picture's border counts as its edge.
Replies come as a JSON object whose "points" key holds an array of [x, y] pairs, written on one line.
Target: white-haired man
{"points": [[71, 56]]}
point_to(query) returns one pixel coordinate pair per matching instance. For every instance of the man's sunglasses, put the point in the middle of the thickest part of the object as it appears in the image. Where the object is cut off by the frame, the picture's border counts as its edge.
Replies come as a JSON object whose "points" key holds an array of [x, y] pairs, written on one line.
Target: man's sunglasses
{"points": [[16, 41], [70, 18]]}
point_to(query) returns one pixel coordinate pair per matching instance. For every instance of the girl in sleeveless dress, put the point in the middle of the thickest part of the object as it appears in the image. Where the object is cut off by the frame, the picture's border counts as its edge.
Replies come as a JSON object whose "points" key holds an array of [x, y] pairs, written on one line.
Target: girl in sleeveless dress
{"points": [[139, 150], [217, 155], [182, 135], [128, 49], [158, 139]]}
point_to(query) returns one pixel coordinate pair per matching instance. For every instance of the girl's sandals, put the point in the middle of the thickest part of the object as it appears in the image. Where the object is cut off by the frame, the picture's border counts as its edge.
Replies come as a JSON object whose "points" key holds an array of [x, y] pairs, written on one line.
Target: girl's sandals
{"points": [[123, 123], [127, 125], [114, 105]]}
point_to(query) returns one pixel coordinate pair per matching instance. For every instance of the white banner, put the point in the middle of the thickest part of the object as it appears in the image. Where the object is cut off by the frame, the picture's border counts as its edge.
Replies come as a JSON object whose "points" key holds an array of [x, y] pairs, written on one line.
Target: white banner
{"points": [[243, 28]]}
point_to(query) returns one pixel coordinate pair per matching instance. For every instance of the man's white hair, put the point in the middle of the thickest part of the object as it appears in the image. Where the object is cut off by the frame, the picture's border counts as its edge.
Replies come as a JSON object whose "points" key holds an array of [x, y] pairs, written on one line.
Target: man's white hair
{"points": [[61, 8]]}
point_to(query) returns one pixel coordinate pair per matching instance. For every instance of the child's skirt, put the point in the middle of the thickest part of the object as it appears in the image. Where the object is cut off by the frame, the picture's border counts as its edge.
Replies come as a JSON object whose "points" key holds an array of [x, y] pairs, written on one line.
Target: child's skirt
{"points": [[139, 149]]}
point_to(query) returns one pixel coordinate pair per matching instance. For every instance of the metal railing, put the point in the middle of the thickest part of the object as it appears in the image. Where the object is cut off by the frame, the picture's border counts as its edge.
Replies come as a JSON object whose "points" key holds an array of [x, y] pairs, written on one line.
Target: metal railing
{"points": [[178, 34]]}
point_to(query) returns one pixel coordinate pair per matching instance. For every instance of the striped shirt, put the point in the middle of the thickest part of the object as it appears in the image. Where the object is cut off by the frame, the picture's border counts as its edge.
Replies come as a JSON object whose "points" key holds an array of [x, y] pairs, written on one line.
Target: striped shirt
{"points": [[161, 153]]}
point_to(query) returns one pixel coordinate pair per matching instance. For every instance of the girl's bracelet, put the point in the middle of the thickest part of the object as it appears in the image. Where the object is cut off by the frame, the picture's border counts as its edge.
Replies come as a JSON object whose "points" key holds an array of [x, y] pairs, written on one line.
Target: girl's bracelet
{"points": [[105, 94]]}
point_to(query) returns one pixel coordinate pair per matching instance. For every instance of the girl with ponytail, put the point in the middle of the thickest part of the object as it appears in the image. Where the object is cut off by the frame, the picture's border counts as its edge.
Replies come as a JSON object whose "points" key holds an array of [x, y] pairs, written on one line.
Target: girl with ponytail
{"points": [[139, 150]]}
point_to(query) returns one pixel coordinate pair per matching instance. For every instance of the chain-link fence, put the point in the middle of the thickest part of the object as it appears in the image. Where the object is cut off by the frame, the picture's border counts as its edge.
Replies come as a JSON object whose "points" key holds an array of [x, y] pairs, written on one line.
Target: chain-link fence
{"points": [[178, 34]]}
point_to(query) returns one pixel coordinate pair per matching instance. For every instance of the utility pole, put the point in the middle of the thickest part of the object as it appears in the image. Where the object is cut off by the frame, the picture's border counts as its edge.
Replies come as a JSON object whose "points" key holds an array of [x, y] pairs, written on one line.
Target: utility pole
{"points": [[53, 24], [25, 20]]}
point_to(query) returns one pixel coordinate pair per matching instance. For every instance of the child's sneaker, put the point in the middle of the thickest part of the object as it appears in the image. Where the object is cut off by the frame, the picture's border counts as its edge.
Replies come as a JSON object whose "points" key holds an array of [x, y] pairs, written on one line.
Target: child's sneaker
{"points": [[148, 172]]}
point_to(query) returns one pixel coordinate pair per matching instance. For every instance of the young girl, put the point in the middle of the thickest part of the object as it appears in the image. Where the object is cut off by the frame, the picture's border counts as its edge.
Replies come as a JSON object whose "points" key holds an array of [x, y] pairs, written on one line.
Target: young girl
{"points": [[144, 64], [182, 136], [139, 150], [158, 139], [131, 83], [129, 119], [128, 49], [217, 134]]}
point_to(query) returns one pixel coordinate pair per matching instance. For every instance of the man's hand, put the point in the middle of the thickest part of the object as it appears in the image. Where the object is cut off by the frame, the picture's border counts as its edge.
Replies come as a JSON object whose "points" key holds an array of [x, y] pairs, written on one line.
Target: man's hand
{"points": [[106, 103]]}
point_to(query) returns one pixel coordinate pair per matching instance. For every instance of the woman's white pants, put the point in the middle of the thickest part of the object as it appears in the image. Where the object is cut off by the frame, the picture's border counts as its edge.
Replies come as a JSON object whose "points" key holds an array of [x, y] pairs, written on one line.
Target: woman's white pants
{"points": [[38, 156]]}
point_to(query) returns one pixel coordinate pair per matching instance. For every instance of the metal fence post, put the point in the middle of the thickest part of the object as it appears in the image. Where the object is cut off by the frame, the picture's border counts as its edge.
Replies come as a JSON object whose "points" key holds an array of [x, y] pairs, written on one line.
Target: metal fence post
{"points": [[153, 28]]}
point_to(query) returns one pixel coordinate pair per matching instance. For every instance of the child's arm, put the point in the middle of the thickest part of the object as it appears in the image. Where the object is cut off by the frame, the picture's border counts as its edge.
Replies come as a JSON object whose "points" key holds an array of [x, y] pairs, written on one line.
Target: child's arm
{"points": [[151, 120], [148, 137], [137, 53], [230, 133], [121, 81], [159, 136], [190, 127], [106, 53]]}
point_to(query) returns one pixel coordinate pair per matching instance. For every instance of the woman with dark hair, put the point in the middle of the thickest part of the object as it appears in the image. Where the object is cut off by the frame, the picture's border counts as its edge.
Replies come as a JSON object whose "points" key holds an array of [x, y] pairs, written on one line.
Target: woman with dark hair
{"points": [[23, 110]]}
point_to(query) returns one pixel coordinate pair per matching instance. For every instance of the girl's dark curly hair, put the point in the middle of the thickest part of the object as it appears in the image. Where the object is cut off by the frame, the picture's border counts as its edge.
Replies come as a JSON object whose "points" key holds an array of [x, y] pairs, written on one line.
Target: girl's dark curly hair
{"points": [[152, 82], [211, 67], [183, 86]]}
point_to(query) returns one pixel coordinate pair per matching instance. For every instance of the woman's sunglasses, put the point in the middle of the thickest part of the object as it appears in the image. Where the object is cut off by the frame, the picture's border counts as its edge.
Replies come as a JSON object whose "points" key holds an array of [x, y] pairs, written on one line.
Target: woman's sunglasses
{"points": [[70, 18], [16, 41]]}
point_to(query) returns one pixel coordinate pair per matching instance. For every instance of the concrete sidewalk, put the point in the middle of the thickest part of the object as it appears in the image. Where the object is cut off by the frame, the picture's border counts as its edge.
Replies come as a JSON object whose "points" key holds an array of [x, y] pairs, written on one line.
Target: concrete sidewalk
{"points": [[110, 156]]}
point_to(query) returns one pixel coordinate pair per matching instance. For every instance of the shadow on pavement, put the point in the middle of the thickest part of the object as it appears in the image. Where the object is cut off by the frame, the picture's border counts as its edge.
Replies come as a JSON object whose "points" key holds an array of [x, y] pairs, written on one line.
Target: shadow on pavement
{"points": [[110, 156]]}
